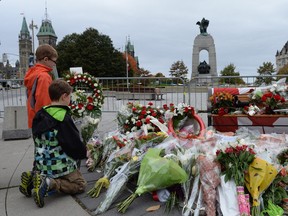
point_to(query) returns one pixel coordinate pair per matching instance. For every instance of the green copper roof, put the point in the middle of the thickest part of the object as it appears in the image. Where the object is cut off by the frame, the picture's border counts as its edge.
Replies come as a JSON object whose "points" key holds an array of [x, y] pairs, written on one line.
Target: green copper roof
{"points": [[24, 29], [46, 29], [129, 47]]}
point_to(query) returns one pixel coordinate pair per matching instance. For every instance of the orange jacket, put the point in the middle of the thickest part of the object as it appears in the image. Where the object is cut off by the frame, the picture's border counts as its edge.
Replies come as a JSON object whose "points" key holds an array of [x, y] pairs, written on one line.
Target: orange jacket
{"points": [[38, 97]]}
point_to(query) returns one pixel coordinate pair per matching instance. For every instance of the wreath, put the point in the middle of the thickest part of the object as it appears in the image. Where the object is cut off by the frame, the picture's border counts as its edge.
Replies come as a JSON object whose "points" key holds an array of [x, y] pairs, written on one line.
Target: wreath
{"points": [[87, 97], [181, 119]]}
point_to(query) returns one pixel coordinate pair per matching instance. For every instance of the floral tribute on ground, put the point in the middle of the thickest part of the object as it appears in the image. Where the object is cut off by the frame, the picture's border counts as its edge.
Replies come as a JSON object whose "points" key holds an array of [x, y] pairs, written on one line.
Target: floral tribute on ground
{"points": [[260, 100], [86, 102], [182, 167]]}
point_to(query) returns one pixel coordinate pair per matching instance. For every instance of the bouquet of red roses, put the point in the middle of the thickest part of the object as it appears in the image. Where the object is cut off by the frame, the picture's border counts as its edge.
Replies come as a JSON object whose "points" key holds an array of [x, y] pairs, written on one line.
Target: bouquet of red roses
{"points": [[235, 162]]}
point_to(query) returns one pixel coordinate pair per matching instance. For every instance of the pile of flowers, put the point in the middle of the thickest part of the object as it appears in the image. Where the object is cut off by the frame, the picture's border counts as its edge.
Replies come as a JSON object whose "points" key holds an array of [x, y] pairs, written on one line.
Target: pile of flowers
{"points": [[194, 171], [222, 103], [271, 98], [135, 116]]}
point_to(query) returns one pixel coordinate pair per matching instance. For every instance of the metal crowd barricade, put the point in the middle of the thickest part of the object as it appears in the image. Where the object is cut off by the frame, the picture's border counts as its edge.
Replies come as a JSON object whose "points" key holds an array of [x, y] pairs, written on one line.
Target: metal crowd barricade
{"points": [[118, 91]]}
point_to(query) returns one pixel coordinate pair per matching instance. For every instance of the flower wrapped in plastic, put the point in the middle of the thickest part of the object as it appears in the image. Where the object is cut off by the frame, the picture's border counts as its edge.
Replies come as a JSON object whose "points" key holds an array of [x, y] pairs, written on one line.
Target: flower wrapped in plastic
{"points": [[109, 145], [94, 153], [210, 179], [187, 159], [259, 177], [155, 173], [118, 183], [235, 162], [88, 127], [115, 160]]}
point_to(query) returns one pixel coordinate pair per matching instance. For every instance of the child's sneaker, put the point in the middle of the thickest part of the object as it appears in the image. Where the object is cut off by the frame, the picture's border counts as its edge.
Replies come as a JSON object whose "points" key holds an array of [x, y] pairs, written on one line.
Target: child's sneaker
{"points": [[26, 183], [40, 189]]}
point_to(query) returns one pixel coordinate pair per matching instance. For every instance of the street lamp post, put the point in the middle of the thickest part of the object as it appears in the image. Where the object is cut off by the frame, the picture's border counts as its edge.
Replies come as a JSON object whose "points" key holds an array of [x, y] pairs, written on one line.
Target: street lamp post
{"points": [[32, 26]]}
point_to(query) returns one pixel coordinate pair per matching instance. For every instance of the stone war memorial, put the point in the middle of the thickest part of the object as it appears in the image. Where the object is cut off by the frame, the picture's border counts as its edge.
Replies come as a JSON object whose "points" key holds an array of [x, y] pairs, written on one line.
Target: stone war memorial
{"points": [[204, 41]]}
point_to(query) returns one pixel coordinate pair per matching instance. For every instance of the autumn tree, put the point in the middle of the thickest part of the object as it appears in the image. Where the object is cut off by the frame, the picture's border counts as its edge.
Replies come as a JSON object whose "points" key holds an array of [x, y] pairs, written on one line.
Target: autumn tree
{"points": [[179, 70], [229, 70], [92, 51], [132, 65]]}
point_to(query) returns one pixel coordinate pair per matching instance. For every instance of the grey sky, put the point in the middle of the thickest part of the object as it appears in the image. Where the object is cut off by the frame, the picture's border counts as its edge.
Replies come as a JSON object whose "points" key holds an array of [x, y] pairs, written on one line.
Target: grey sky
{"points": [[246, 33]]}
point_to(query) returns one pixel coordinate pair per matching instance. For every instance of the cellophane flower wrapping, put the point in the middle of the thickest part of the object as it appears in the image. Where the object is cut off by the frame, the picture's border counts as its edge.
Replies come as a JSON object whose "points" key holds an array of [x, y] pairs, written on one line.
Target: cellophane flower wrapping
{"points": [[118, 183], [187, 159], [88, 127], [116, 159], [235, 161], [157, 172], [109, 145], [94, 152], [259, 177], [228, 197], [210, 179]]}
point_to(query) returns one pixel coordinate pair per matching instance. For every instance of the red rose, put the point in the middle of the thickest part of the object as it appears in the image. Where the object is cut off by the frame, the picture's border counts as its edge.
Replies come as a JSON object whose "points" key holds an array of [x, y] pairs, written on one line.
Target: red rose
{"points": [[186, 109], [90, 99], [150, 103], [165, 107], [264, 98], [80, 105], [90, 107], [72, 81], [229, 150], [143, 112], [138, 123], [277, 97], [147, 120], [269, 94]]}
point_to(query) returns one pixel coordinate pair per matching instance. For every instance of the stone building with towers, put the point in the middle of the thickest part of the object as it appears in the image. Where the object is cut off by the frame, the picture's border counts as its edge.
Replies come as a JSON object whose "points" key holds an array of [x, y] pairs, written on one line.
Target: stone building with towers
{"points": [[206, 70], [282, 57], [45, 35], [25, 48]]}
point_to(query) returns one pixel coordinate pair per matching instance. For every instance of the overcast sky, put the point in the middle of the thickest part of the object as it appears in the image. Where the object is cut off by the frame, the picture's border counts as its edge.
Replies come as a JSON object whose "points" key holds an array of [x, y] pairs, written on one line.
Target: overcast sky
{"points": [[246, 33]]}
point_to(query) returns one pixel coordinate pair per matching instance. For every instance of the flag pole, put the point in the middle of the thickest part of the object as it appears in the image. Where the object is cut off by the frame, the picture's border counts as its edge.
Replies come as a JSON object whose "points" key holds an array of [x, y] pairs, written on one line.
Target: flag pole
{"points": [[126, 53]]}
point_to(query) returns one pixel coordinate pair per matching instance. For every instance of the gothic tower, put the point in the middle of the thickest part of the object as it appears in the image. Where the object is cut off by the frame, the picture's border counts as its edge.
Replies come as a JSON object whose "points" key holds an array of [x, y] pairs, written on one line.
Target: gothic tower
{"points": [[46, 34], [282, 57], [129, 48], [25, 48]]}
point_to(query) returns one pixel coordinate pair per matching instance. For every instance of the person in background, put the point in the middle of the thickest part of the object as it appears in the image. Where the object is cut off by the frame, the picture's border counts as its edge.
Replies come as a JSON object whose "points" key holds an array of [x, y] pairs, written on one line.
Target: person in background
{"points": [[58, 147], [37, 80]]}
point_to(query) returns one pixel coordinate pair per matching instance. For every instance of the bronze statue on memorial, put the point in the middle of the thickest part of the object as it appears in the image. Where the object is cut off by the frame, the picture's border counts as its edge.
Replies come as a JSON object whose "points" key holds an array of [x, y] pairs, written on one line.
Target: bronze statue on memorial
{"points": [[204, 68], [203, 26]]}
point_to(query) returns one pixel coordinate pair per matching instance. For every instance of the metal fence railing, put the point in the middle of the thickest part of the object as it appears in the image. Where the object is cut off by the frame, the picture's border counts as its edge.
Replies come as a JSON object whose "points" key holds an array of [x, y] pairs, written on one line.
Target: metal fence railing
{"points": [[118, 91]]}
